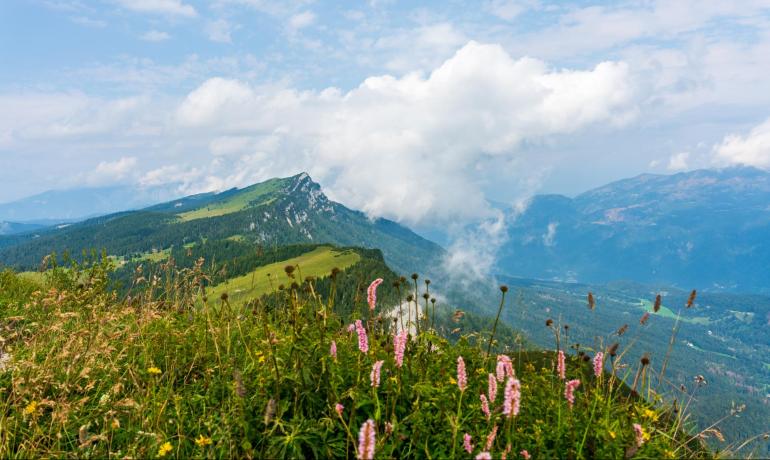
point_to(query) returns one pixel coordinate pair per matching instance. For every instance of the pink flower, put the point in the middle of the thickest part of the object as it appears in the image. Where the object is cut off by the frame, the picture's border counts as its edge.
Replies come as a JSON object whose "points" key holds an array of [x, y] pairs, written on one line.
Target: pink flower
{"points": [[639, 432], [504, 367], [351, 327], [484, 405], [399, 346], [333, 350], [512, 397], [569, 391], [339, 408], [525, 454], [492, 387], [363, 341], [371, 293], [484, 456], [561, 366], [467, 443], [462, 379], [598, 363], [366, 441], [375, 375], [491, 438]]}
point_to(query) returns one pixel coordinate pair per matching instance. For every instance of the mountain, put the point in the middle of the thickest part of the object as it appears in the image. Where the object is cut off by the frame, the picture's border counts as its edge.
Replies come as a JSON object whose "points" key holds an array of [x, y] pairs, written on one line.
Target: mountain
{"points": [[61, 206], [708, 229], [11, 228], [271, 213]]}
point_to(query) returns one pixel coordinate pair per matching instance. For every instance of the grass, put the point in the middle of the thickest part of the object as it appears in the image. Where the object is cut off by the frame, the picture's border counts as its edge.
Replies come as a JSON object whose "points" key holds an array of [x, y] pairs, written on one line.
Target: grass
{"points": [[666, 312], [318, 262], [243, 199], [155, 256]]}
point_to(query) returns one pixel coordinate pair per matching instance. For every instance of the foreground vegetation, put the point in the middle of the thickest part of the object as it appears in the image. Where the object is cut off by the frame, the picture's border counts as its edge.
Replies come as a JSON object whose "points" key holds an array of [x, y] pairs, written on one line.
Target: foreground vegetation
{"points": [[167, 370]]}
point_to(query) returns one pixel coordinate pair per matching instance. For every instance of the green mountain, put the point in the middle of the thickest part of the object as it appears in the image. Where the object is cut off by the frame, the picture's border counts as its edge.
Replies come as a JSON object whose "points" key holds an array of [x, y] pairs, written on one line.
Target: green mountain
{"points": [[706, 229], [273, 213]]}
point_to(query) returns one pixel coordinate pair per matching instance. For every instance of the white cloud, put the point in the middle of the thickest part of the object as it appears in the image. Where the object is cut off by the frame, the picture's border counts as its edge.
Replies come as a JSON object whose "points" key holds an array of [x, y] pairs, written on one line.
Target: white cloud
{"points": [[155, 36], [549, 236], [752, 149], [168, 7], [679, 161], [219, 31], [407, 147], [301, 20], [109, 172], [508, 9], [89, 22]]}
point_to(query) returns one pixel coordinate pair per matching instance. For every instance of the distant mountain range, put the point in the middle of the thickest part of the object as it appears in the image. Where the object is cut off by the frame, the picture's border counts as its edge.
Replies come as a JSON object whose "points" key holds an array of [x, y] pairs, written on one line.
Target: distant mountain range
{"points": [[273, 213], [706, 229]]}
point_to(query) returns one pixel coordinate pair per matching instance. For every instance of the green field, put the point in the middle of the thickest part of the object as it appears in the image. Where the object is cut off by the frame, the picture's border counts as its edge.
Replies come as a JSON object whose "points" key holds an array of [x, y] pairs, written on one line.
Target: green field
{"points": [[236, 203], [318, 262], [666, 312], [35, 277]]}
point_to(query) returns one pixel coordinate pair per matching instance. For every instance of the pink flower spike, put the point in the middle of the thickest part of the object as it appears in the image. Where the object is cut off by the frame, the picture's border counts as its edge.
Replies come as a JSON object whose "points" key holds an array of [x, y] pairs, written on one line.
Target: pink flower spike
{"points": [[492, 387], [569, 391], [375, 375], [371, 296], [512, 397], [484, 405], [561, 366], [399, 346], [598, 363], [639, 433], [363, 341], [333, 350], [366, 441], [462, 378], [525, 454], [467, 443], [339, 408], [484, 456], [491, 438], [351, 327], [504, 367]]}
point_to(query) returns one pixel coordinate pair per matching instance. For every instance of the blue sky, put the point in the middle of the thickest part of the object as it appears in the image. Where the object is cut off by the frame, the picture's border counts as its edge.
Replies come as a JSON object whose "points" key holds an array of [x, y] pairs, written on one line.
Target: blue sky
{"points": [[418, 113]]}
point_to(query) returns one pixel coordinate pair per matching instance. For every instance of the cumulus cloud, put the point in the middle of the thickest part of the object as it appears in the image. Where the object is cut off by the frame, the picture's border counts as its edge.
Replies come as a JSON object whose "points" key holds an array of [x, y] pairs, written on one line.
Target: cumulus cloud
{"points": [[168, 7], [752, 149], [108, 172], [155, 36], [407, 147], [679, 161]]}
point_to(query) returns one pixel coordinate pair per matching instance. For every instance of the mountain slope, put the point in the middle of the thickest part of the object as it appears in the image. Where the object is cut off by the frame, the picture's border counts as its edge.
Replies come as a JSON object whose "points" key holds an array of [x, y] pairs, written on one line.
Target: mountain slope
{"points": [[275, 212], [707, 229]]}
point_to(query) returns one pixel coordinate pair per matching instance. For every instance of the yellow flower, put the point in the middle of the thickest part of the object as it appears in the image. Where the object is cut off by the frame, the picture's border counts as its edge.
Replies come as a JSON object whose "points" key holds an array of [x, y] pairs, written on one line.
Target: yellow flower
{"points": [[31, 408], [203, 441], [154, 370], [648, 413], [164, 449], [261, 359], [115, 424], [612, 434], [452, 380]]}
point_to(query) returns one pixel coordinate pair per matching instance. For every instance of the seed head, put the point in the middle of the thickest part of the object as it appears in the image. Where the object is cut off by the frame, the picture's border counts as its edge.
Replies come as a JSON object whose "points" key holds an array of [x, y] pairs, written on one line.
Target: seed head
{"points": [[645, 360], [591, 303], [427, 282], [548, 322], [409, 298], [657, 303], [613, 350], [503, 288], [415, 276], [691, 299], [426, 296], [433, 300], [224, 296]]}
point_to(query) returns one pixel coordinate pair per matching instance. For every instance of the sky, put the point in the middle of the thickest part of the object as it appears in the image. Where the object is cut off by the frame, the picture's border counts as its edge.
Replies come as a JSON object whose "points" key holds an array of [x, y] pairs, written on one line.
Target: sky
{"points": [[424, 114]]}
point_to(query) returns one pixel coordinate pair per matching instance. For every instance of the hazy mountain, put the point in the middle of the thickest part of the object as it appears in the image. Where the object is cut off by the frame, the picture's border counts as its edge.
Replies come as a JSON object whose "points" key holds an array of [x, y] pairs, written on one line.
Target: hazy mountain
{"points": [[57, 206], [11, 228], [275, 212], [705, 229]]}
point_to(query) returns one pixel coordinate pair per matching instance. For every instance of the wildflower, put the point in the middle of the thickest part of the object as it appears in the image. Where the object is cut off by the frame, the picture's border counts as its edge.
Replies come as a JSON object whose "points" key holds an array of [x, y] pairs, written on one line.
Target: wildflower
{"points": [[153, 370], [351, 327], [366, 441], [164, 449], [561, 366], [491, 438], [569, 391], [339, 408], [462, 379], [115, 424], [612, 434], [504, 367], [203, 441], [644, 319], [525, 454], [484, 405], [363, 341], [492, 387], [31, 408], [333, 350], [399, 346], [467, 443], [371, 293], [375, 375], [640, 434], [598, 363], [484, 456], [512, 397]]}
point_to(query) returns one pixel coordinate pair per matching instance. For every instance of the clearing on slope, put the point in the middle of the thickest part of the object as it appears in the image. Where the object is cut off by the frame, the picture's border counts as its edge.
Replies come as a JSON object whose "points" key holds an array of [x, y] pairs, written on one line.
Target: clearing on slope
{"points": [[253, 195], [318, 262]]}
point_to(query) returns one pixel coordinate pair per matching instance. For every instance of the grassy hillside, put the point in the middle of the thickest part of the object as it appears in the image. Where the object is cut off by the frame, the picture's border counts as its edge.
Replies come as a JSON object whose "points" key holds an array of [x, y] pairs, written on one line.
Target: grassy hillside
{"points": [[171, 371]]}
